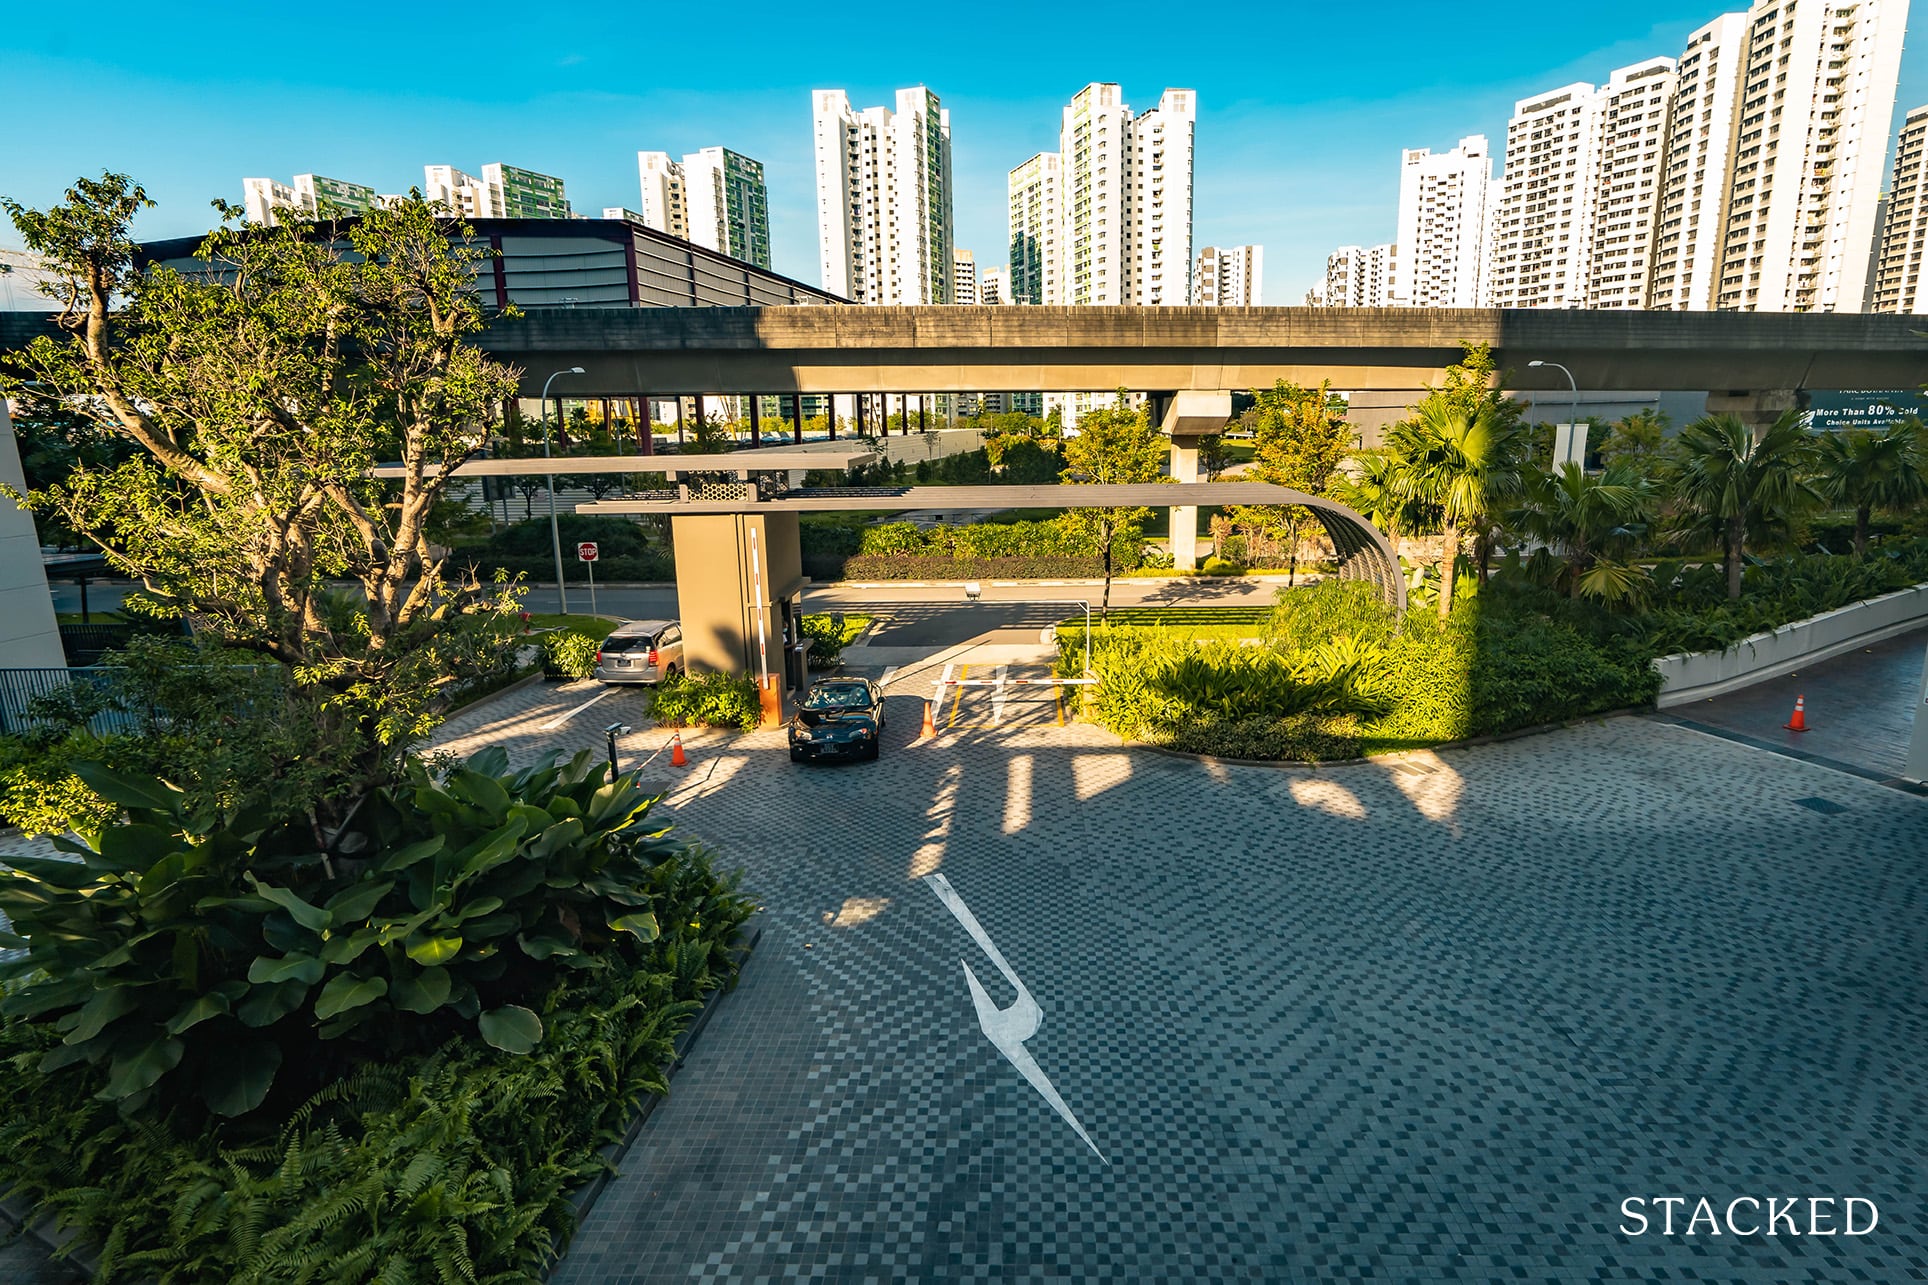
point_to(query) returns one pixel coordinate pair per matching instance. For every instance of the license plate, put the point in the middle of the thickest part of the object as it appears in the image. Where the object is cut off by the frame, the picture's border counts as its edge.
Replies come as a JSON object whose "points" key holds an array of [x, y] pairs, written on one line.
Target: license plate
{"points": [[621, 663]]}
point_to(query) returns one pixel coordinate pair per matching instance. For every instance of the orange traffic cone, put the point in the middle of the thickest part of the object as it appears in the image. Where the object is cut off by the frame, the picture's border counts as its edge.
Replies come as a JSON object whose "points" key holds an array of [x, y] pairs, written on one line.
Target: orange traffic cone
{"points": [[676, 756], [1799, 722], [930, 722]]}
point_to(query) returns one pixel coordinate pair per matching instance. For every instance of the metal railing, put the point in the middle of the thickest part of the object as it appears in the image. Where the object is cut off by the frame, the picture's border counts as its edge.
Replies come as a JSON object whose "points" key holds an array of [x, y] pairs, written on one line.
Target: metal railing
{"points": [[21, 688]]}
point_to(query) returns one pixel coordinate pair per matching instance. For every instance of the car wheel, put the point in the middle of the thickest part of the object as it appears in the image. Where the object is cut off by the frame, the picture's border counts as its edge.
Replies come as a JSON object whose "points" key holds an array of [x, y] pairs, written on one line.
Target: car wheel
{"points": [[796, 757], [875, 749]]}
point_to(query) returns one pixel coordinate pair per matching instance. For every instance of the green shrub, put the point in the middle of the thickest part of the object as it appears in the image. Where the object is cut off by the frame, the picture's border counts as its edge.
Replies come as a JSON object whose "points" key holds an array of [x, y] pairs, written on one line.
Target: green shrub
{"points": [[1216, 566], [225, 728], [195, 958], [452, 1164], [567, 654], [706, 700], [913, 567], [830, 634], [1306, 738]]}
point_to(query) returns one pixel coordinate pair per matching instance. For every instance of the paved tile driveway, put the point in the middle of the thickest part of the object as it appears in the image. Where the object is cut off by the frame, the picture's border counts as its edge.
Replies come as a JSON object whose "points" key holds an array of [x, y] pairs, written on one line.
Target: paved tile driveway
{"points": [[1429, 1021]]}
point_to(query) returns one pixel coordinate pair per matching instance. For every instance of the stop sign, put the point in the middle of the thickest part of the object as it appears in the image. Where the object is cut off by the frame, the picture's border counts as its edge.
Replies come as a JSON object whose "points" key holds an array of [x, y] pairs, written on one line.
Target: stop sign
{"points": [[586, 551]]}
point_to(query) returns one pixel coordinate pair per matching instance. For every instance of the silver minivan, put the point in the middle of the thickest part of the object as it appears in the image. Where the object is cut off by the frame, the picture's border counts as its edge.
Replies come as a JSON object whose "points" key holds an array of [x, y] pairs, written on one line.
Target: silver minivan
{"points": [[641, 651]]}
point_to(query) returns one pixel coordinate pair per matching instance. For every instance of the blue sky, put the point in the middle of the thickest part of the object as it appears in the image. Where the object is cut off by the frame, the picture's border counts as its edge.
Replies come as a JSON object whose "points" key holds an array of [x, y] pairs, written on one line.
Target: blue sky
{"points": [[1303, 108]]}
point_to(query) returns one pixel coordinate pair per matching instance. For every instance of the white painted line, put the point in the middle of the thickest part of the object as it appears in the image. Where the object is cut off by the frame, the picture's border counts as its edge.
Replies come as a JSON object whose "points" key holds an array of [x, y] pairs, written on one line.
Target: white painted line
{"points": [[560, 719], [943, 683], [1006, 1028], [889, 670], [997, 698]]}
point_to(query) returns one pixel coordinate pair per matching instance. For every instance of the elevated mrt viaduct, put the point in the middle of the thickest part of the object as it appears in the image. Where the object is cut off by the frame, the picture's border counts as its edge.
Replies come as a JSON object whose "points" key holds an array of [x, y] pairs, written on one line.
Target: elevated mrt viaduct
{"points": [[1189, 360]]}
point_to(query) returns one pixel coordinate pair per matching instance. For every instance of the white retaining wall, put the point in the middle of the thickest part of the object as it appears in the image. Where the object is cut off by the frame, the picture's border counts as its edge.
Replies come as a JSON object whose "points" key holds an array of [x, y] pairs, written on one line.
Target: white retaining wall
{"points": [[1692, 676]]}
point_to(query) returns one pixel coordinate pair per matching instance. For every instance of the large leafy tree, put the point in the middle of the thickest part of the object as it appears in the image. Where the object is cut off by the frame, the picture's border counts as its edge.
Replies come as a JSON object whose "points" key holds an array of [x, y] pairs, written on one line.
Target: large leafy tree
{"points": [[1113, 445], [1462, 460], [1728, 479], [257, 391], [1865, 471], [1300, 438]]}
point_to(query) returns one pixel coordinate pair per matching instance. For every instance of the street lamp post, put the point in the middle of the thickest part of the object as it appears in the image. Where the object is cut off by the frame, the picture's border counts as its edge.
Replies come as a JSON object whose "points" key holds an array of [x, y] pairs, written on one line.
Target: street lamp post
{"points": [[555, 533], [1574, 413]]}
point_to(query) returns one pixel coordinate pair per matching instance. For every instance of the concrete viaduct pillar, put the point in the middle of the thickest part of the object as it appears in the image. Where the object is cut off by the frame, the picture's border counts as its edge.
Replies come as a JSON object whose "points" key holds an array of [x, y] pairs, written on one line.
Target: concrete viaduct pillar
{"points": [[1190, 416]]}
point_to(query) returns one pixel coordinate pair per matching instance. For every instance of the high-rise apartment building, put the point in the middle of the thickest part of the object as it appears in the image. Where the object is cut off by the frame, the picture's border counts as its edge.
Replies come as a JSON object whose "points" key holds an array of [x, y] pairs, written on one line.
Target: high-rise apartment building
{"points": [[1691, 222], [1900, 284], [1635, 105], [1542, 229], [503, 192], [666, 204], [462, 193], [727, 206], [523, 194], [884, 225], [1382, 269], [1442, 225], [1357, 277], [963, 277], [1034, 189], [1345, 279], [1161, 200], [1817, 97], [994, 286], [1095, 156], [1231, 278], [1107, 218], [310, 196]]}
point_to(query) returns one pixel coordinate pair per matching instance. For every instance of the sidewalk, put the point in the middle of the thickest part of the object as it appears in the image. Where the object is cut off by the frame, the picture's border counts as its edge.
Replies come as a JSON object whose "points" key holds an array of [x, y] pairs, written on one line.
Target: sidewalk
{"points": [[1860, 709]]}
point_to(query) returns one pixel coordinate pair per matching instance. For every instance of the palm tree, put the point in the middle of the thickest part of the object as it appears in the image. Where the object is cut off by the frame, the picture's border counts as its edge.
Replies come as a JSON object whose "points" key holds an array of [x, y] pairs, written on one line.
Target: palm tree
{"points": [[1465, 461], [1368, 484], [1869, 471], [1587, 518], [1729, 477]]}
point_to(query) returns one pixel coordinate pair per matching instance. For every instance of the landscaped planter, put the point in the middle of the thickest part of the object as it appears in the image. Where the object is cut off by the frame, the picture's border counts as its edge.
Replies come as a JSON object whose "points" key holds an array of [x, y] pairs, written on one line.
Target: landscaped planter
{"points": [[1693, 676]]}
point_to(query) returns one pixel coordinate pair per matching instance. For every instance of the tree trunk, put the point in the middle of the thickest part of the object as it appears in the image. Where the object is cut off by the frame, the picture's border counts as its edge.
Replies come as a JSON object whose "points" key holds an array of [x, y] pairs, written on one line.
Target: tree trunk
{"points": [[1861, 516], [1735, 530], [1448, 569]]}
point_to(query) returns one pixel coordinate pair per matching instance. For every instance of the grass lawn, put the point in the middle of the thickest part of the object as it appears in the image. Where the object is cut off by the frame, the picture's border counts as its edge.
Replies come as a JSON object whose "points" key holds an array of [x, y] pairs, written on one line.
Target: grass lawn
{"points": [[597, 627]]}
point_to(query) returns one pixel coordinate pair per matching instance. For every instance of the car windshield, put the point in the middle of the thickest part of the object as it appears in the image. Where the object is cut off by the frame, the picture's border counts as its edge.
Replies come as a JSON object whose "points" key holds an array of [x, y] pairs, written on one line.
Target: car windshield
{"points": [[839, 696]]}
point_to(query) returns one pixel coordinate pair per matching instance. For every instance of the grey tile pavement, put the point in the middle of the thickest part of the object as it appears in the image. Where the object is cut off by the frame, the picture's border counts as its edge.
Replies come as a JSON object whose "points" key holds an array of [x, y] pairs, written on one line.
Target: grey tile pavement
{"points": [[1417, 1020], [1426, 1020]]}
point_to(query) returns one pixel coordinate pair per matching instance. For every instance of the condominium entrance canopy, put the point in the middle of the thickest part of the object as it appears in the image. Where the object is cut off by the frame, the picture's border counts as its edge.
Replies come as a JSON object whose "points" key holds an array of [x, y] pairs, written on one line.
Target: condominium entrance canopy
{"points": [[1361, 551]]}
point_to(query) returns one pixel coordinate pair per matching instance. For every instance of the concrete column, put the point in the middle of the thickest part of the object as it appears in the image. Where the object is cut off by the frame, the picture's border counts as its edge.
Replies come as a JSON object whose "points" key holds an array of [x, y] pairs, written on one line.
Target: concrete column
{"points": [[1184, 517], [29, 634], [1757, 408], [1190, 415]]}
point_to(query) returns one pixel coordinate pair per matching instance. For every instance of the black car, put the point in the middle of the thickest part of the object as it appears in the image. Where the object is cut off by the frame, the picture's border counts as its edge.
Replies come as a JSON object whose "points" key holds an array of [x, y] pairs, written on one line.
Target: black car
{"points": [[839, 718]]}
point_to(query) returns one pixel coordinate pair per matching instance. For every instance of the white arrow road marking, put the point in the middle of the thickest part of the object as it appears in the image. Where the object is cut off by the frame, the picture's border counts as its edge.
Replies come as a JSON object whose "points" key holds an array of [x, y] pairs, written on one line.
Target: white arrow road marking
{"points": [[890, 672], [997, 698], [1007, 1028]]}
